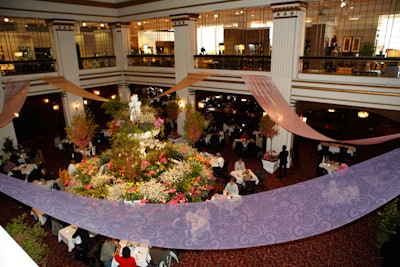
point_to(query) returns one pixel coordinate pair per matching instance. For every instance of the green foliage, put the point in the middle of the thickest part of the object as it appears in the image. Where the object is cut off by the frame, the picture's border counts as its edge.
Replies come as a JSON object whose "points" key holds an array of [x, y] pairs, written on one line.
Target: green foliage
{"points": [[114, 108], [8, 145], [30, 238], [367, 49], [389, 219]]}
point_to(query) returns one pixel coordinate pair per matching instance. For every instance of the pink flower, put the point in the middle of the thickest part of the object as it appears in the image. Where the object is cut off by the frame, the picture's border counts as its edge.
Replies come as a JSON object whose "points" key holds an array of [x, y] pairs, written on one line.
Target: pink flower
{"points": [[173, 201], [66, 182], [152, 172], [132, 190], [163, 160], [185, 149], [172, 190], [198, 178], [144, 201], [88, 187], [145, 163], [192, 190], [161, 155]]}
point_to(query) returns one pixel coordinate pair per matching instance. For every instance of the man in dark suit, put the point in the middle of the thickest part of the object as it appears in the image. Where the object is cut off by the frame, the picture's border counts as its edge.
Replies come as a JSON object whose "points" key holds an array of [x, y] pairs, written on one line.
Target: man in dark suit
{"points": [[283, 155]]}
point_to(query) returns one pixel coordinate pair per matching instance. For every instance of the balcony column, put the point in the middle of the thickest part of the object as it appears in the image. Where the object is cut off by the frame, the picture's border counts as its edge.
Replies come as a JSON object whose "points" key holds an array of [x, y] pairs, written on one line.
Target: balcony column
{"points": [[185, 48], [288, 43], [121, 40], [63, 41], [124, 92]]}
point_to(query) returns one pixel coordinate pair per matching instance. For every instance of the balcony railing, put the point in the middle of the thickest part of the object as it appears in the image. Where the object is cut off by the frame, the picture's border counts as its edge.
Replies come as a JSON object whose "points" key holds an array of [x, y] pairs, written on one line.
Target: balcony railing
{"points": [[96, 62], [225, 62], [151, 60], [22, 67], [357, 66]]}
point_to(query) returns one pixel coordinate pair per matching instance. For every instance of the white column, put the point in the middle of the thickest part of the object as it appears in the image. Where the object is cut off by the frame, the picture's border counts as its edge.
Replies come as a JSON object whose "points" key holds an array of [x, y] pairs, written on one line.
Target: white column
{"points": [[7, 130], [121, 41], [185, 48], [63, 41], [124, 92], [287, 47]]}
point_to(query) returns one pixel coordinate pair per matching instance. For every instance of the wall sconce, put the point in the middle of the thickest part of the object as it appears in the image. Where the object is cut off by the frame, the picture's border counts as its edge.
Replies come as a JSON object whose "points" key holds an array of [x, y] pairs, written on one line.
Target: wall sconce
{"points": [[96, 92], [113, 96], [101, 25], [200, 105], [56, 106], [241, 48], [16, 115], [76, 105], [363, 114], [84, 24], [46, 100], [181, 104], [85, 102], [221, 48], [331, 110], [6, 20]]}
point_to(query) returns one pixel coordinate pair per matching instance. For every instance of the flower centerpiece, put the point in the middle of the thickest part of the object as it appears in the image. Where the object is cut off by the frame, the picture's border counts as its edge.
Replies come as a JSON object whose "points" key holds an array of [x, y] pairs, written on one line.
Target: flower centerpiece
{"points": [[270, 155], [143, 170], [82, 129]]}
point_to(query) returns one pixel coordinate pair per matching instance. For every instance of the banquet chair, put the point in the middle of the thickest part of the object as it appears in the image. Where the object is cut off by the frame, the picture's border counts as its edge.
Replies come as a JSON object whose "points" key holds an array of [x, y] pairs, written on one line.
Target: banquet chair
{"points": [[249, 187], [262, 178]]}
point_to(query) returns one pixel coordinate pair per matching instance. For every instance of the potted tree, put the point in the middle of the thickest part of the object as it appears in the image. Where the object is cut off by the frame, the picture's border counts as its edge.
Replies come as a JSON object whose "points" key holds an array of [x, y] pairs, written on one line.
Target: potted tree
{"points": [[269, 129], [30, 238], [82, 129], [194, 124]]}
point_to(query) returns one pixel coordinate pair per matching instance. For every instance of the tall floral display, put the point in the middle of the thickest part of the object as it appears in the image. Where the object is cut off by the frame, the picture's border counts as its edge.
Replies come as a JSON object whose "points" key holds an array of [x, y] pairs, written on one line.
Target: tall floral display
{"points": [[82, 129], [139, 167], [194, 124], [268, 128]]}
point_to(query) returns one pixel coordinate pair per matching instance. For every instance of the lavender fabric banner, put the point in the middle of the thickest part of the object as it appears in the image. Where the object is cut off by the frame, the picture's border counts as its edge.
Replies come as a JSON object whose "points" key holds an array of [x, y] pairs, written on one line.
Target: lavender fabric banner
{"points": [[290, 213]]}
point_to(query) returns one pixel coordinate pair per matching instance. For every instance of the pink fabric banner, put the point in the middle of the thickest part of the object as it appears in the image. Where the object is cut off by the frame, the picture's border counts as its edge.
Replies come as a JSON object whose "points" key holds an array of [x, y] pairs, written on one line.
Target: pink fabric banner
{"points": [[271, 100], [14, 98]]}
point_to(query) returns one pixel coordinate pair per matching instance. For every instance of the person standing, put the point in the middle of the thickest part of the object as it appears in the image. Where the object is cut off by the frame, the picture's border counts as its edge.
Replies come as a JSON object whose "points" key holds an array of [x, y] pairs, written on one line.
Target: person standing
{"points": [[107, 251], [283, 155]]}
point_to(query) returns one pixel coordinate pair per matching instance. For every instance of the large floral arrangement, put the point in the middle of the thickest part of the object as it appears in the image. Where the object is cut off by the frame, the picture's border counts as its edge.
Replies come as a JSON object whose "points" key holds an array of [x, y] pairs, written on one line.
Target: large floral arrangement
{"points": [[144, 170], [388, 219]]}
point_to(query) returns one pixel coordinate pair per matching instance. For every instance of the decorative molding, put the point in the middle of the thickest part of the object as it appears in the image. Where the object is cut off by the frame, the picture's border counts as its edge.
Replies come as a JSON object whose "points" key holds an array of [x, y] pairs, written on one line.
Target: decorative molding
{"points": [[61, 25], [183, 19]]}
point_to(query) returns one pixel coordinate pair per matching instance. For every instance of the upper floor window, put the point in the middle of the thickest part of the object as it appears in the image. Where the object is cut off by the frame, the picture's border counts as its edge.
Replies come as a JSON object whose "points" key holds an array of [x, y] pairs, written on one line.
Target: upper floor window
{"points": [[235, 32], [152, 36], [93, 39], [24, 39]]}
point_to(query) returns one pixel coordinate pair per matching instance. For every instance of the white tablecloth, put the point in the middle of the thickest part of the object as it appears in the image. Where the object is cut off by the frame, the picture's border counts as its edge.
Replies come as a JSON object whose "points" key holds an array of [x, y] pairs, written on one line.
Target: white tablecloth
{"points": [[38, 215], [239, 176], [65, 235], [25, 168], [335, 148], [140, 252], [330, 167]]}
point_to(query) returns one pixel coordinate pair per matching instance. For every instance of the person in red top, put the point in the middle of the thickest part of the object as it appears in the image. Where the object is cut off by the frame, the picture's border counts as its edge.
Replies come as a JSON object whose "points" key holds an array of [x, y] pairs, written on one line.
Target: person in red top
{"points": [[126, 260]]}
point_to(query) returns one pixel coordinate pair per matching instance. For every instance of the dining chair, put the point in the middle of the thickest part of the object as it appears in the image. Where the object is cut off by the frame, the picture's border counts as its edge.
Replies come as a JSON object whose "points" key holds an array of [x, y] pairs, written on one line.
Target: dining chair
{"points": [[262, 178]]}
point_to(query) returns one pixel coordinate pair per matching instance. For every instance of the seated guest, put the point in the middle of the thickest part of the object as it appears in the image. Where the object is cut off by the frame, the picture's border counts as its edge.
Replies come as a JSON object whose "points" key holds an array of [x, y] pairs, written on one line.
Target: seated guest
{"points": [[231, 187], [45, 175], [8, 166], [239, 165], [218, 165], [204, 153], [71, 167], [126, 260]]}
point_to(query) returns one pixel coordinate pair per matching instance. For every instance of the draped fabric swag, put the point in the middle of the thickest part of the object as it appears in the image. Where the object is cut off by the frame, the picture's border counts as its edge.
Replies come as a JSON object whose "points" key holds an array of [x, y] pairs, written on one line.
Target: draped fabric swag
{"points": [[14, 98], [64, 84], [276, 216]]}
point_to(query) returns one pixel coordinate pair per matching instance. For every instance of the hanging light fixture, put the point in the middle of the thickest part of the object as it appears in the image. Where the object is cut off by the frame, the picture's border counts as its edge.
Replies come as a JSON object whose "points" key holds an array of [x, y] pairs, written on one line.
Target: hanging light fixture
{"points": [[363, 114]]}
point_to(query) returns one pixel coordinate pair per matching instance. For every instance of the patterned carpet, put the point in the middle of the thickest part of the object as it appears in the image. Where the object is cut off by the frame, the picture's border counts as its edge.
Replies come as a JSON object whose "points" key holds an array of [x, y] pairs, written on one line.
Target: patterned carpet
{"points": [[351, 245]]}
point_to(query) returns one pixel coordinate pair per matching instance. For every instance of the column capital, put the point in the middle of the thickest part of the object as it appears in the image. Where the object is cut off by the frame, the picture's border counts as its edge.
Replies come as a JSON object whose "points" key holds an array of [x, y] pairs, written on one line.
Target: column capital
{"points": [[182, 19], [288, 9], [61, 25], [119, 24]]}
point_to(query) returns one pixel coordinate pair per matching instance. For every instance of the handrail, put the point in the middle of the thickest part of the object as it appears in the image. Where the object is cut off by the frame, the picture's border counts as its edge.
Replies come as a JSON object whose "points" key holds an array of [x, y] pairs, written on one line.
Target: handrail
{"points": [[348, 65], [233, 62], [151, 60], [22, 67]]}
